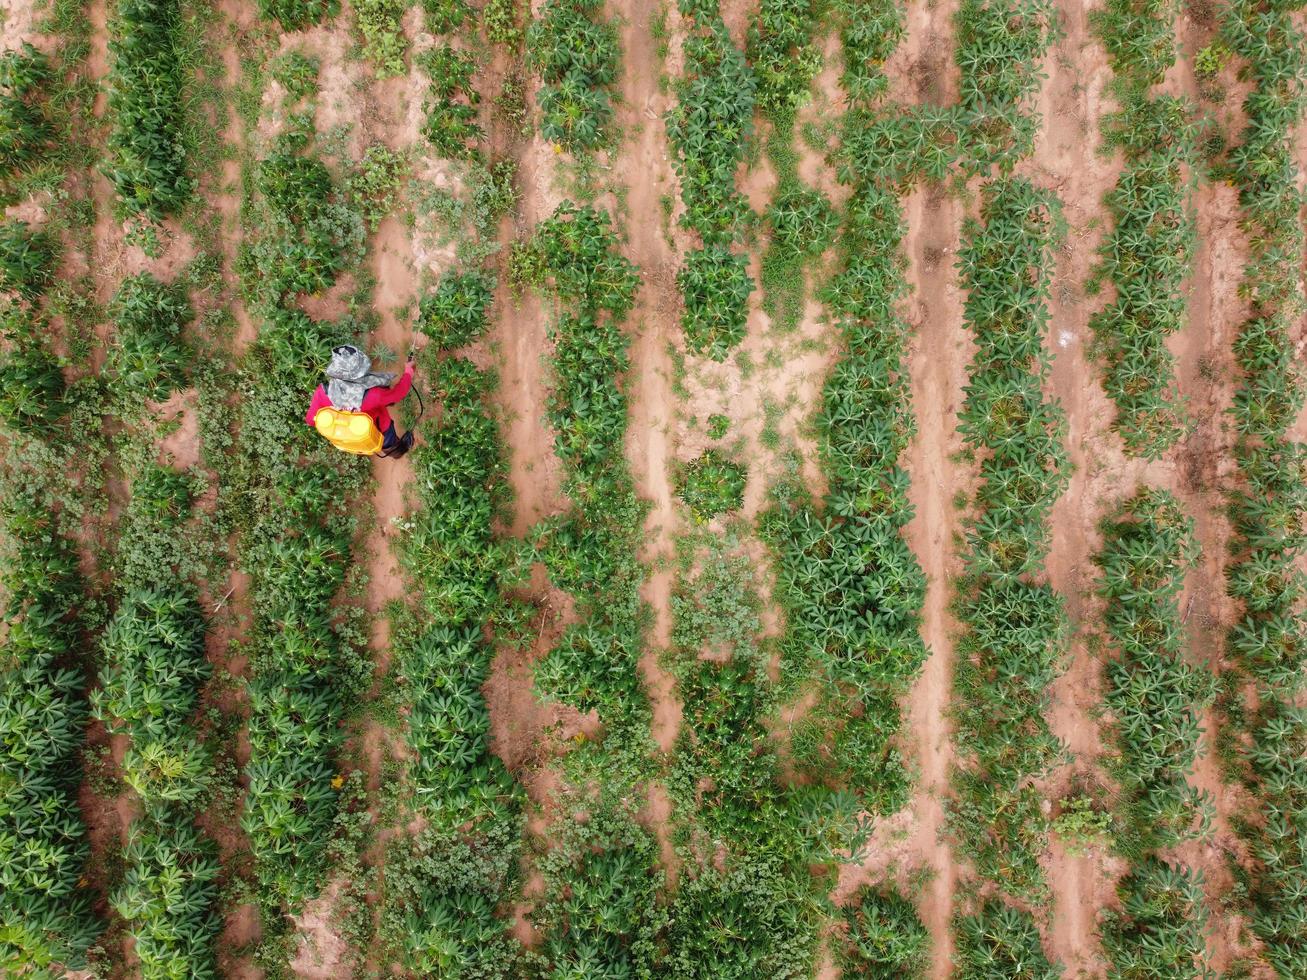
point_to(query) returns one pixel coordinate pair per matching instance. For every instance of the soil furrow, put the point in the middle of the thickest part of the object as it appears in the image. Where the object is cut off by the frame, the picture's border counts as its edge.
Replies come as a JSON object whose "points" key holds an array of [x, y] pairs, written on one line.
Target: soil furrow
{"points": [[938, 368]]}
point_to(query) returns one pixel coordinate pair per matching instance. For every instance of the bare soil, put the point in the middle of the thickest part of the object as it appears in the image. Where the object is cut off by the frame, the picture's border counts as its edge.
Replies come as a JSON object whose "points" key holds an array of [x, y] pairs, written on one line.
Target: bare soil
{"points": [[937, 366]]}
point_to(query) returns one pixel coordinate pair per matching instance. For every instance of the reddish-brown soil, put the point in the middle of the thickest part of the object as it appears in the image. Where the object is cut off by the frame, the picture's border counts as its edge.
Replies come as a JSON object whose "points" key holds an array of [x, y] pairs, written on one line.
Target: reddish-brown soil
{"points": [[937, 366]]}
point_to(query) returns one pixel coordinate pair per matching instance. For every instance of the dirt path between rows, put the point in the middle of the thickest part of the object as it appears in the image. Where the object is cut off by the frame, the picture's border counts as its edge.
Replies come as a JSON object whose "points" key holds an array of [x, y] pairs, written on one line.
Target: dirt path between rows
{"points": [[646, 168], [937, 366], [1068, 159]]}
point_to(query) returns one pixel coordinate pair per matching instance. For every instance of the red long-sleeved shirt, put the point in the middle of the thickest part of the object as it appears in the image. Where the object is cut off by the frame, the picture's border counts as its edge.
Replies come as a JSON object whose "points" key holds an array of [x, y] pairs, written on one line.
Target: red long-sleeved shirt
{"points": [[374, 402]]}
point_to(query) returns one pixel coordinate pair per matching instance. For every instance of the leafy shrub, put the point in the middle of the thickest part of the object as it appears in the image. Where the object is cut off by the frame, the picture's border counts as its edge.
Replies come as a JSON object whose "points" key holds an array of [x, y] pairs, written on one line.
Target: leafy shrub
{"points": [[750, 921], [1001, 46], [149, 686], [712, 485], [1148, 257], [715, 285], [576, 56], [886, 939], [1000, 942], [783, 55], [384, 43], [45, 915], [601, 903], [501, 21], [869, 33], [296, 14], [457, 313], [146, 144], [1160, 930], [31, 382], [27, 259], [297, 73], [374, 183], [451, 113], [444, 16], [708, 129], [851, 587], [25, 129], [168, 897], [442, 892], [802, 221], [590, 551], [148, 356], [309, 235]]}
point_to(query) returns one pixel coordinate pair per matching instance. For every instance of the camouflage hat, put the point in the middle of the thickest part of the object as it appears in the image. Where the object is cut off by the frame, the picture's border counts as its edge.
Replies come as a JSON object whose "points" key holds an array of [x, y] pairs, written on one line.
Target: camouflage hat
{"points": [[350, 375]]}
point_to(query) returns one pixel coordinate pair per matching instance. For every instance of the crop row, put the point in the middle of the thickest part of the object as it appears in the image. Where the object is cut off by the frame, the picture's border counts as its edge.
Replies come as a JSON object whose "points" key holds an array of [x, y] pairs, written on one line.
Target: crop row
{"points": [[849, 583], [1014, 624], [1268, 643], [1000, 47], [599, 905], [1154, 694], [708, 130], [576, 53], [293, 492], [1155, 697], [146, 145], [446, 886], [149, 687], [1149, 253], [45, 916]]}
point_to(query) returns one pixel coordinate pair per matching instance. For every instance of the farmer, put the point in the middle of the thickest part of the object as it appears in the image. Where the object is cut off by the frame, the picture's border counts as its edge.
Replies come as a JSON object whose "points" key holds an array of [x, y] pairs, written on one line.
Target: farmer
{"points": [[351, 409]]}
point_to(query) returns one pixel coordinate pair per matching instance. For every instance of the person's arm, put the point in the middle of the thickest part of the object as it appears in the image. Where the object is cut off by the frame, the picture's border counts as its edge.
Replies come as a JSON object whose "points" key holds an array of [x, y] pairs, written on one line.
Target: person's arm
{"points": [[397, 393], [319, 402]]}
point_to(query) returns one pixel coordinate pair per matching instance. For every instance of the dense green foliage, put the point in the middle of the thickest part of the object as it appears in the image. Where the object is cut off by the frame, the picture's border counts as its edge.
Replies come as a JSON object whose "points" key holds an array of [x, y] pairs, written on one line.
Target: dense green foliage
{"points": [[32, 386], [291, 492], [870, 30], [997, 942], [25, 129], [1154, 695], [1000, 49], [1269, 643], [708, 129], [601, 908], [783, 55], [443, 891], [27, 259], [1160, 929], [1149, 253], [851, 588], [44, 914], [293, 15], [885, 940], [381, 24], [712, 485], [458, 311], [749, 921], [168, 897], [147, 106], [153, 667], [450, 124], [310, 233], [576, 53], [149, 357], [1014, 624], [590, 551]]}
